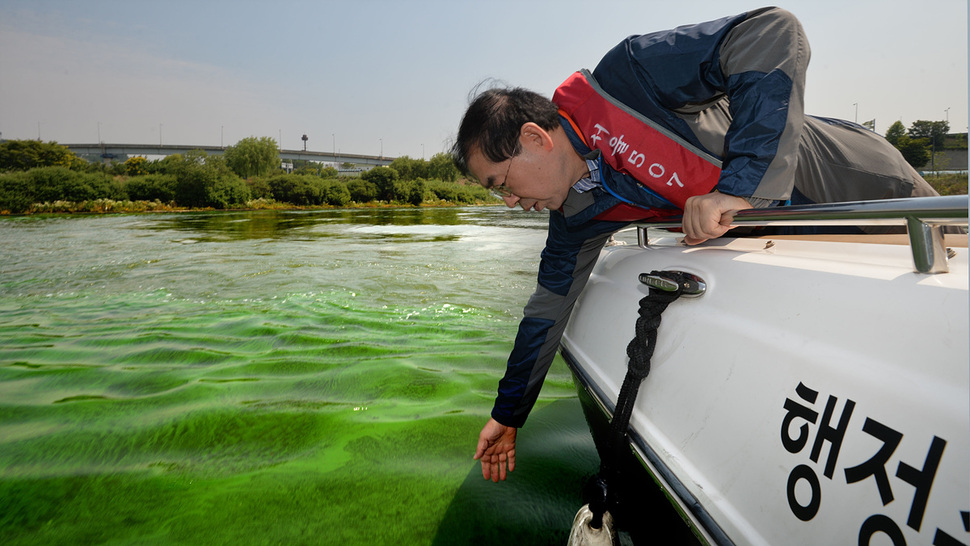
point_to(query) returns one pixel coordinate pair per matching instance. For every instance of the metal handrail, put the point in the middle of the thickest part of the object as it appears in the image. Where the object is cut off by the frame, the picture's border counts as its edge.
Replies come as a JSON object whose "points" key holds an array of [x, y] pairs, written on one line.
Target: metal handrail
{"points": [[924, 218]]}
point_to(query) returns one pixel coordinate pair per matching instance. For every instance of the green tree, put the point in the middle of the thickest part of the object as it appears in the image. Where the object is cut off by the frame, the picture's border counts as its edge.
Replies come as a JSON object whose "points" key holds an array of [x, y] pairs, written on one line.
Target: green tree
{"points": [[259, 188], [23, 155], [334, 192], [362, 191], [410, 169], [48, 184], [913, 150], [383, 178], [253, 156], [202, 180], [314, 168], [934, 131], [15, 192], [410, 191], [166, 165], [136, 166], [296, 189], [442, 167], [896, 131], [151, 187]]}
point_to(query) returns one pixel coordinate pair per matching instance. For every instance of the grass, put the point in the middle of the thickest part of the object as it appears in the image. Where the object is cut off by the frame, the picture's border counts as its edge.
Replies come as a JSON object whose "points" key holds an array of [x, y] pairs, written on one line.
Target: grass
{"points": [[948, 184]]}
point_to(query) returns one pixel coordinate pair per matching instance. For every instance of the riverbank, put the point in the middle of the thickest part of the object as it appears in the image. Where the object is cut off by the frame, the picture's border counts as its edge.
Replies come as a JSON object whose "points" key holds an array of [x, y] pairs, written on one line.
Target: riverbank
{"points": [[946, 184], [111, 206]]}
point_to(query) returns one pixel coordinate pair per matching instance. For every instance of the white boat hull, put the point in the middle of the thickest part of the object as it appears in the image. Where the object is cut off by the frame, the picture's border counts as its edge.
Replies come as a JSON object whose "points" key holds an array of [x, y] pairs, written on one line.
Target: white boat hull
{"points": [[775, 398]]}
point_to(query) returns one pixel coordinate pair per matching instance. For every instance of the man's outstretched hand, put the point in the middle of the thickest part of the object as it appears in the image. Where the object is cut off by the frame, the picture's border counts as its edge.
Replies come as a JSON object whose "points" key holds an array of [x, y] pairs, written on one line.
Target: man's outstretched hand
{"points": [[496, 450], [710, 215]]}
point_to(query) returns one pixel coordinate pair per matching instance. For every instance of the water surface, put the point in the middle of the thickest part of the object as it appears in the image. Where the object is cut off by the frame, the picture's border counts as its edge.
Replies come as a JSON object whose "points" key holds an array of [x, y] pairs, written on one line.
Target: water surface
{"points": [[273, 378]]}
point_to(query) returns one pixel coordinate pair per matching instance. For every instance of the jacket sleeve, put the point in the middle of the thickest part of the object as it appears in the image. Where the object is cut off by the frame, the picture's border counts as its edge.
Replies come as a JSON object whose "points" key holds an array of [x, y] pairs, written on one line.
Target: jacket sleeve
{"points": [[566, 263], [733, 86], [763, 60]]}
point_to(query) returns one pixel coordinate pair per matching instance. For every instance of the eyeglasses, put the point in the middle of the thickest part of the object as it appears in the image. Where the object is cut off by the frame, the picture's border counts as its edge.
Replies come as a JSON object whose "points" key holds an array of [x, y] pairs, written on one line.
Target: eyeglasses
{"points": [[502, 190]]}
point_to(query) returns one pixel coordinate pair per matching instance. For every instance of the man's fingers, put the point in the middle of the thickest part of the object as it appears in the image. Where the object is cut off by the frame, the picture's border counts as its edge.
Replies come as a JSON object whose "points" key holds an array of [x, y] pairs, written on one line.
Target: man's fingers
{"points": [[727, 218], [497, 467]]}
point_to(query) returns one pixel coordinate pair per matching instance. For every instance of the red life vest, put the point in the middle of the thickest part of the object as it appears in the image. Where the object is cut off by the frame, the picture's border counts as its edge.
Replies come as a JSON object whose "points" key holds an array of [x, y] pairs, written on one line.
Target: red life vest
{"points": [[633, 144]]}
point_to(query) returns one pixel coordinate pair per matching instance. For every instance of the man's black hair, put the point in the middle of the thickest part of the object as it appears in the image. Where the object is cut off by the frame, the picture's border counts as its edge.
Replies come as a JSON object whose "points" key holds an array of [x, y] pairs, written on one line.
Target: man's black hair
{"points": [[493, 120]]}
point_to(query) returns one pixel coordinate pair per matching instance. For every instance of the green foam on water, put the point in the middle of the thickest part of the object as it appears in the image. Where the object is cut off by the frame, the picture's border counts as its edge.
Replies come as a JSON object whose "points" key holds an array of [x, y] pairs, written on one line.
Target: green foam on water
{"points": [[278, 378]]}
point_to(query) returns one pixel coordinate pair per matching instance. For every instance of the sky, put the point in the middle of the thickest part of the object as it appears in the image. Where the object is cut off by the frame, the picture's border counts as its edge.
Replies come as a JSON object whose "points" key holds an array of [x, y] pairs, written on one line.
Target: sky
{"points": [[393, 77]]}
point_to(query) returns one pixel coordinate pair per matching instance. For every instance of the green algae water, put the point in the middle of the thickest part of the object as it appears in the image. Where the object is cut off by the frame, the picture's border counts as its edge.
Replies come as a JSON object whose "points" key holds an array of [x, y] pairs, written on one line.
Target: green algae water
{"points": [[273, 378]]}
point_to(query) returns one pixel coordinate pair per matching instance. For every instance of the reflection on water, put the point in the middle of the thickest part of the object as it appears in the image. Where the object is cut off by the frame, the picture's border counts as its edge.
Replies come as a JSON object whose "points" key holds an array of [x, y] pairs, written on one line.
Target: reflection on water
{"points": [[306, 224]]}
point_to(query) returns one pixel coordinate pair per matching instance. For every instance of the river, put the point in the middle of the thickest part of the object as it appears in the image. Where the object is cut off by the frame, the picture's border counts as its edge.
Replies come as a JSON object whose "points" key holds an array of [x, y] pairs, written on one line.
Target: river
{"points": [[273, 377]]}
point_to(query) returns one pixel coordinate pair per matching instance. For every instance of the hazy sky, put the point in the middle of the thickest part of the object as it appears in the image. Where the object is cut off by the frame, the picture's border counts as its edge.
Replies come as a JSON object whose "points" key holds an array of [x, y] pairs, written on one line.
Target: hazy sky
{"points": [[393, 76]]}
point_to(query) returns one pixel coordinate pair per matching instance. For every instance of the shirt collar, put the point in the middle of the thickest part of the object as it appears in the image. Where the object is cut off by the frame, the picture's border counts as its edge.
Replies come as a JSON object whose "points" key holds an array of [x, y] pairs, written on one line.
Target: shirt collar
{"points": [[592, 181]]}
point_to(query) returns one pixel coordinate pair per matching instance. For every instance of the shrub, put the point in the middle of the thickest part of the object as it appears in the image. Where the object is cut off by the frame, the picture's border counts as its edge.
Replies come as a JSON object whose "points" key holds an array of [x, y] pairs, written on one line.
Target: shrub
{"points": [[259, 189], [334, 192], [152, 187], [261, 203], [383, 178], [948, 184], [446, 192], [136, 166], [226, 191], [411, 192], [205, 181], [15, 194], [460, 193], [98, 206], [295, 189], [362, 191], [61, 183]]}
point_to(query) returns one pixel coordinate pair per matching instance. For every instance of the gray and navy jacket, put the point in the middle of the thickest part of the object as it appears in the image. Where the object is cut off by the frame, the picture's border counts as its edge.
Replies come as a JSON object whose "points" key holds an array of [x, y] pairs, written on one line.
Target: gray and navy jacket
{"points": [[732, 87]]}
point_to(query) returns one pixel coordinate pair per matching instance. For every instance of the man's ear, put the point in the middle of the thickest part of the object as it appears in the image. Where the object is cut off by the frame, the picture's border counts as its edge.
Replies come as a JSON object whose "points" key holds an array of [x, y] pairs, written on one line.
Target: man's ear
{"points": [[531, 135]]}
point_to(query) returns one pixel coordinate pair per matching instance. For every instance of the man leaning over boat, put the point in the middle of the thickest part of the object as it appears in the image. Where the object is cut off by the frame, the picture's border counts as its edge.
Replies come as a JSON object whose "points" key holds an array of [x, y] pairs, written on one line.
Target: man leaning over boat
{"points": [[702, 120]]}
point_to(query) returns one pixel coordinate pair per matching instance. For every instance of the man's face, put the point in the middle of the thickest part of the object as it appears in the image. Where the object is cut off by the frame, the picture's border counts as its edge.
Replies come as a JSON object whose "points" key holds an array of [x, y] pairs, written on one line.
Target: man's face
{"points": [[529, 179]]}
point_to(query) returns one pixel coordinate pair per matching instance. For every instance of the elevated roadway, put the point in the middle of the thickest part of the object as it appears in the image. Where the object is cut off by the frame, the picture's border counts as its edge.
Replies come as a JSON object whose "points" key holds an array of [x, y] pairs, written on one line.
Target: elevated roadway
{"points": [[121, 152]]}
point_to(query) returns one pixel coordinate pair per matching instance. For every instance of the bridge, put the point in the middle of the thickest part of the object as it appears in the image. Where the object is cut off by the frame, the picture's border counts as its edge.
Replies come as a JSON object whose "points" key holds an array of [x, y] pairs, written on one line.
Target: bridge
{"points": [[121, 152]]}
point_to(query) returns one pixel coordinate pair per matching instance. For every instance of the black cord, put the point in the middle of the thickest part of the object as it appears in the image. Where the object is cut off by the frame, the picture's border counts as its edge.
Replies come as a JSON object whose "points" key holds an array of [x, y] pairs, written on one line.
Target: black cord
{"points": [[598, 492]]}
